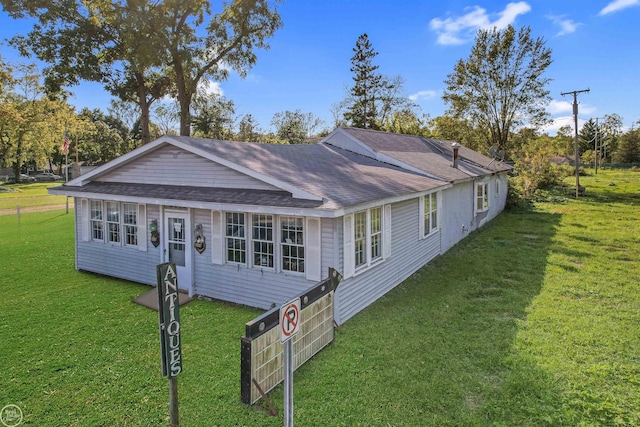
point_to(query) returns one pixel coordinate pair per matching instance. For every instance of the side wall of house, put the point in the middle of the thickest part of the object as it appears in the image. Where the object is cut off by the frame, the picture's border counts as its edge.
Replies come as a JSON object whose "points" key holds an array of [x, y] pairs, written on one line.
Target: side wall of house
{"points": [[408, 254], [253, 286], [124, 262], [459, 217]]}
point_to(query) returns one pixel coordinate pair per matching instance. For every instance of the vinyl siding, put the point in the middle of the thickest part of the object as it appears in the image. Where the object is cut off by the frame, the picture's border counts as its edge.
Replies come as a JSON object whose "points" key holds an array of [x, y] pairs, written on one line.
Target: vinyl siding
{"points": [[118, 261], [457, 210], [242, 284], [328, 234], [408, 254], [170, 165]]}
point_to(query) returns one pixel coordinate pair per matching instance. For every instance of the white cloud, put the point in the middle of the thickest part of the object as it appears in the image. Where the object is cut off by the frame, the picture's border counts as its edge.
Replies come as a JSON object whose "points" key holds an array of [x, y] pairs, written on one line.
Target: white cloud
{"points": [[460, 29], [567, 26], [422, 94], [617, 5], [211, 88], [561, 107]]}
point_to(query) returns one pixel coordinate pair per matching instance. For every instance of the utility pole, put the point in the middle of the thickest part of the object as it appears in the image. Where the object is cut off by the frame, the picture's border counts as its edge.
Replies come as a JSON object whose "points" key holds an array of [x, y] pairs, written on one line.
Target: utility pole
{"points": [[575, 120]]}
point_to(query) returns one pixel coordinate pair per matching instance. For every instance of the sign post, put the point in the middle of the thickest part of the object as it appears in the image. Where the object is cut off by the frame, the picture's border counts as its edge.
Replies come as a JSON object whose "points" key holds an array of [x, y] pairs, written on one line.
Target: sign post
{"points": [[169, 318], [289, 326]]}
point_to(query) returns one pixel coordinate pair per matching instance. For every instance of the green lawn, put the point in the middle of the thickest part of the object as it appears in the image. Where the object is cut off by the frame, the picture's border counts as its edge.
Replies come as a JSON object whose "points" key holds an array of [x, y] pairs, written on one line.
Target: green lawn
{"points": [[29, 195], [532, 321]]}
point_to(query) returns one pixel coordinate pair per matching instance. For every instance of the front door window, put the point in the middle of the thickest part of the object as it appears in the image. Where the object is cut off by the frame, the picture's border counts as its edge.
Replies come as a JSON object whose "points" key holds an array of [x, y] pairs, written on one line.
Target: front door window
{"points": [[177, 241]]}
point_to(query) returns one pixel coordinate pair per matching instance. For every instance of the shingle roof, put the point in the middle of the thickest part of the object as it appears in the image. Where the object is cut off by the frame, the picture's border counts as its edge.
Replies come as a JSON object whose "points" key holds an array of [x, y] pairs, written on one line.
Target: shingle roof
{"points": [[341, 177], [196, 194], [429, 155]]}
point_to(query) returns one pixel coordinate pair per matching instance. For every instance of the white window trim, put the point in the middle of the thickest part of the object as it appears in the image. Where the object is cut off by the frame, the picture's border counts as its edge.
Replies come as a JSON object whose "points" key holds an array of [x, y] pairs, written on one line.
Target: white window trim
{"points": [[312, 244], [250, 251], [349, 255], [102, 221], [485, 186], [225, 237], [281, 244], [124, 225], [422, 231], [141, 222]]}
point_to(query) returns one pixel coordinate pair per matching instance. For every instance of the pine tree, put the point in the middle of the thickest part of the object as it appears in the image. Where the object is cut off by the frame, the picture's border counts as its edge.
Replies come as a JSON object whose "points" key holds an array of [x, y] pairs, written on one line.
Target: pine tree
{"points": [[587, 136], [362, 111]]}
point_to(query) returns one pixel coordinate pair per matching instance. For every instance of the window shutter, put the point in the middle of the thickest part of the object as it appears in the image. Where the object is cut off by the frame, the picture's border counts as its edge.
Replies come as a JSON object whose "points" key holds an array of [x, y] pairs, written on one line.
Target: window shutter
{"points": [[348, 255], [85, 223], [142, 227], [217, 238], [421, 217], [386, 233], [312, 256], [475, 198]]}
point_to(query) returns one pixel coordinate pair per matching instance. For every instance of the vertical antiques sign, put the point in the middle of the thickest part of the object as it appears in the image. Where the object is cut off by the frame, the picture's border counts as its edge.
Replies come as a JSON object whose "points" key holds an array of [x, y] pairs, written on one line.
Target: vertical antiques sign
{"points": [[169, 315]]}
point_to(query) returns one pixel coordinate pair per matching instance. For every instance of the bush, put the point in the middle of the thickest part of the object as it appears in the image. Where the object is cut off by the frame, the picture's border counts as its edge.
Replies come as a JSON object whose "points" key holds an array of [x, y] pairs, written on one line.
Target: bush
{"points": [[515, 195]]}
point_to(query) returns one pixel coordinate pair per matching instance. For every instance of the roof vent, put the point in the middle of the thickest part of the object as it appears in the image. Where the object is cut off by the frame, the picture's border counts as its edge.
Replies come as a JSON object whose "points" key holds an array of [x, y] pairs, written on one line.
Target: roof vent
{"points": [[455, 147]]}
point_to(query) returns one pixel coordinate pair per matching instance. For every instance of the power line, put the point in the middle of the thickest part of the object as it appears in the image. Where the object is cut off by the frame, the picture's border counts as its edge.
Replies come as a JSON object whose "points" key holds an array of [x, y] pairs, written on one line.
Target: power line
{"points": [[575, 119]]}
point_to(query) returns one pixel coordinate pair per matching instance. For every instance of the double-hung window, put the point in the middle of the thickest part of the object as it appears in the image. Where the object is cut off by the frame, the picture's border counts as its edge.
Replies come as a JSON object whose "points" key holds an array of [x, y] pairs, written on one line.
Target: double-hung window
{"points": [[360, 237], [235, 236], [97, 230], [430, 216], [130, 222], [262, 238], [482, 196], [367, 237], [292, 243], [113, 222]]}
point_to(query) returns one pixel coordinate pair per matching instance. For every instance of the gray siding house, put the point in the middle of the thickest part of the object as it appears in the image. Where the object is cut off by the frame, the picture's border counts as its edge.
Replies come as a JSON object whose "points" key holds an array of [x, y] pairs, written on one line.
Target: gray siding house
{"points": [[256, 224]]}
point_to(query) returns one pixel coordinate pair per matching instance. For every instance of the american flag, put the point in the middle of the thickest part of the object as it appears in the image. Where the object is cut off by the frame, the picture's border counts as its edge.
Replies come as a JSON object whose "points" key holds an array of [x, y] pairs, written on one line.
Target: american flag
{"points": [[65, 146]]}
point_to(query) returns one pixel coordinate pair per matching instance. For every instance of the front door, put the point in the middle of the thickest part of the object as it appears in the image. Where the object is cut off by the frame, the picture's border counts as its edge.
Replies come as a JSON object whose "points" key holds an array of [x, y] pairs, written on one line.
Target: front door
{"points": [[177, 245]]}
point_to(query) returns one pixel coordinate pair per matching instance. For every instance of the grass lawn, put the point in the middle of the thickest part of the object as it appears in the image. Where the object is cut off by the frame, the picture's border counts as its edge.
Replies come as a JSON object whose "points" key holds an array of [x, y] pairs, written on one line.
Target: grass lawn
{"points": [[532, 321], [29, 195]]}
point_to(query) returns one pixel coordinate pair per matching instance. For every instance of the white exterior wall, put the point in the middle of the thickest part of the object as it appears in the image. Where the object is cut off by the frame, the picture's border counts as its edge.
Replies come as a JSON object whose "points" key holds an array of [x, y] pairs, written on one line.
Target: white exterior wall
{"points": [[110, 259], [408, 254], [458, 209], [253, 286], [171, 165]]}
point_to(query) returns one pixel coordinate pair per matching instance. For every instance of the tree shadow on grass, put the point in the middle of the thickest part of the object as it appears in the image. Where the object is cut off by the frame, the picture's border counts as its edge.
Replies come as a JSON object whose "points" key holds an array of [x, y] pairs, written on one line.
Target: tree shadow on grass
{"points": [[438, 349]]}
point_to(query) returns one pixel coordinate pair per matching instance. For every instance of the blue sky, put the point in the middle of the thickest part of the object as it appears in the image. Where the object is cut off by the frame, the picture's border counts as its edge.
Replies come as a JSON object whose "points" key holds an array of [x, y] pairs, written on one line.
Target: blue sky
{"points": [[595, 44]]}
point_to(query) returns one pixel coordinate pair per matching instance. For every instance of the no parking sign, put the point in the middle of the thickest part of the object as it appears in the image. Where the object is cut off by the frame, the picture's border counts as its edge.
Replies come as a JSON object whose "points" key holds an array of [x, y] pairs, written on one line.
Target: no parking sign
{"points": [[289, 319]]}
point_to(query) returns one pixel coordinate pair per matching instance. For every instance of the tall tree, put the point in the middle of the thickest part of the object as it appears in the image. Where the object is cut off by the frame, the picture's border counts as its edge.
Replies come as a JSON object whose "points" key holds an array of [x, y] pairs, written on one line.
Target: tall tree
{"points": [[407, 122], [140, 50], [362, 110], [612, 127], [629, 146], [501, 85], [213, 117], [115, 43], [248, 129], [203, 45], [456, 129], [587, 136], [295, 126], [32, 123]]}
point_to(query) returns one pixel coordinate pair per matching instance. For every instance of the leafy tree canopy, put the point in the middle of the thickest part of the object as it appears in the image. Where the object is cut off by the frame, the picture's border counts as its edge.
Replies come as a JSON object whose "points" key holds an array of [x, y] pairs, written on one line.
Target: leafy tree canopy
{"points": [[501, 85]]}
